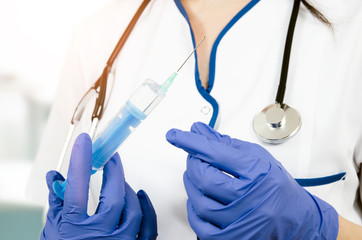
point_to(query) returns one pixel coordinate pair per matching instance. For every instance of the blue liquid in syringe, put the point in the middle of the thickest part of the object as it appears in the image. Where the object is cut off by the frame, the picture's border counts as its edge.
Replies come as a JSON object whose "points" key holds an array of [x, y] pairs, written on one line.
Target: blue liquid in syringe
{"points": [[111, 138], [114, 135]]}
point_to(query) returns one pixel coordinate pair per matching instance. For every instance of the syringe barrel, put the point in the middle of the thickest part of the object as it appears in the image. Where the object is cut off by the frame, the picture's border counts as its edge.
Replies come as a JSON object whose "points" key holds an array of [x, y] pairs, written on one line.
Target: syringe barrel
{"points": [[141, 103]]}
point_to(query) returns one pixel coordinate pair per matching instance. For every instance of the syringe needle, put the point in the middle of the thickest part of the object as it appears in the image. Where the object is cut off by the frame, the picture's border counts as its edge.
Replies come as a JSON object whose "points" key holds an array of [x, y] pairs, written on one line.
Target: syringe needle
{"points": [[191, 54], [167, 83]]}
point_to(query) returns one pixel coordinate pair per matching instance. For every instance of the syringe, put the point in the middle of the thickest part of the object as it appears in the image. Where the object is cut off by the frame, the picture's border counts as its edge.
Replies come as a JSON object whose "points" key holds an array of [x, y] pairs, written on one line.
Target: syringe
{"points": [[141, 103]]}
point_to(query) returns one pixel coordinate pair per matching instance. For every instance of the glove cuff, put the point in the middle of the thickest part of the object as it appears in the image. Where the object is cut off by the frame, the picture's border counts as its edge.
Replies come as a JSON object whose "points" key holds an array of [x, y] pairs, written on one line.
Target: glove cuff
{"points": [[329, 223]]}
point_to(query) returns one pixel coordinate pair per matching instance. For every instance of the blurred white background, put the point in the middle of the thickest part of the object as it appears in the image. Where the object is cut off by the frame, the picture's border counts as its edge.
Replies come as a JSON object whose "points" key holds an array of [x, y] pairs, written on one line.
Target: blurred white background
{"points": [[34, 35]]}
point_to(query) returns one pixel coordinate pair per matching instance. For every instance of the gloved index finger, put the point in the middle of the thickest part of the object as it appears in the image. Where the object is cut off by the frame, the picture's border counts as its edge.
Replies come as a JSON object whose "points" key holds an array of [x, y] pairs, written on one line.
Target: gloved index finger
{"points": [[220, 155], [210, 133], [79, 172], [207, 131], [112, 198]]}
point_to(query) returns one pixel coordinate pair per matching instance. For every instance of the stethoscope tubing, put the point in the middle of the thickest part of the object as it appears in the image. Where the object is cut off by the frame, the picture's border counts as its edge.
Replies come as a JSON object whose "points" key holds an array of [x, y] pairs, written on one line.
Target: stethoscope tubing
{"points": [[287, 52]]}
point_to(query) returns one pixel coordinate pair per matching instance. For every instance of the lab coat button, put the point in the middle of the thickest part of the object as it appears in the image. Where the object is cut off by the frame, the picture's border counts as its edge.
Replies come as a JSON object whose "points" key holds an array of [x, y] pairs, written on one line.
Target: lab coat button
{"points": [[205, 110]]}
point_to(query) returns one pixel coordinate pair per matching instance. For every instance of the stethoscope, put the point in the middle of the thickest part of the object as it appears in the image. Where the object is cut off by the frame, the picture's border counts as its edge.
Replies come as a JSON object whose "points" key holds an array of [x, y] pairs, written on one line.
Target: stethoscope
{"points": [[278, 122]]}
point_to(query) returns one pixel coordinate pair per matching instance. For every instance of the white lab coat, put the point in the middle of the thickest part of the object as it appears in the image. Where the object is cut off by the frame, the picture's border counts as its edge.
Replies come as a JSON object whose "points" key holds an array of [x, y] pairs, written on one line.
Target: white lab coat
{"points": [[324, 85]]}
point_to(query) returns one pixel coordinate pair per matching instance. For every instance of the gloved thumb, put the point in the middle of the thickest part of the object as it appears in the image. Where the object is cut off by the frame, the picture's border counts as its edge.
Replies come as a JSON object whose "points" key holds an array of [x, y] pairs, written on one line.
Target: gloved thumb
{"points": [[148, 230], [55, 203]]}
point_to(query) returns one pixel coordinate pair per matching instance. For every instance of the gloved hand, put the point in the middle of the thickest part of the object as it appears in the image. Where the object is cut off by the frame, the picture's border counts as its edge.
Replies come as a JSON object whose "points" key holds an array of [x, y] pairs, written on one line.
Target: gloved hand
{"points": [[121, 214], [258, 200]]}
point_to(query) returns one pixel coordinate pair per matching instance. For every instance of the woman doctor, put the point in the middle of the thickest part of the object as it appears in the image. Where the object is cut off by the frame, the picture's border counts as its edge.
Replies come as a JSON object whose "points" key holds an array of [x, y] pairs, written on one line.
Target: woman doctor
{"points": [[235, 189]]}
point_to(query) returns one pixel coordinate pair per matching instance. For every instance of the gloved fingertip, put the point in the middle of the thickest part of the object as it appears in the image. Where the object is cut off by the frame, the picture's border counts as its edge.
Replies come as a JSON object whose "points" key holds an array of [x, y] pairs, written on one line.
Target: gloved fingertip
{"points": [[114, 165], [80, 165], [145, 201], [83, 140], [113, 161], [83, 137], [171, 136], [116, 157], [142, 195], [52, 176], [198, 127]]}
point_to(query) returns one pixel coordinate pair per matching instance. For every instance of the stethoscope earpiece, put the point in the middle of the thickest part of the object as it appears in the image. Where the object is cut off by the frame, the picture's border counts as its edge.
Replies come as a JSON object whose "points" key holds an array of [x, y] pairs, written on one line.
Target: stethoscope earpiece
{"points": [[276, 123]]}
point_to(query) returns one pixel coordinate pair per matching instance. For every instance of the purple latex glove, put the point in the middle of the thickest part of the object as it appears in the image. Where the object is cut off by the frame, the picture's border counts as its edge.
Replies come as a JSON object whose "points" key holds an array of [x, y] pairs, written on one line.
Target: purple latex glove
{"points": [[258, 200], [121, 214]]}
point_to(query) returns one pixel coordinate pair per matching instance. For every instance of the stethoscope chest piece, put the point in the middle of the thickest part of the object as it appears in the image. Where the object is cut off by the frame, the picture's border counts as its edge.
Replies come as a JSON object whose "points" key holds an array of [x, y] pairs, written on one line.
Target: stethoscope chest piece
{"points": [[276, 123]]}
